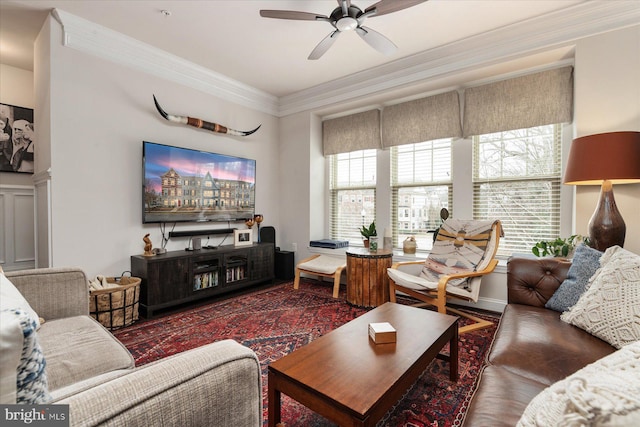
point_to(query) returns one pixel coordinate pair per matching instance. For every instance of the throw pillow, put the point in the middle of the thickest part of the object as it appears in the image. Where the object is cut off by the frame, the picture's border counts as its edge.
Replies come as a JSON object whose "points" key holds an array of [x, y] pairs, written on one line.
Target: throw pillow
{"points": [[11, 340], [30, 378], [604, 393], [10, 298], [585, 263], [610, 308], [461, 247]]}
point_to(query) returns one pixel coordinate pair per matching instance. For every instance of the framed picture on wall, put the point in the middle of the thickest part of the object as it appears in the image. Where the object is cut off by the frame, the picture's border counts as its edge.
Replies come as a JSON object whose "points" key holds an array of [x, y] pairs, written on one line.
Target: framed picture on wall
{"points": [[17, 143], [243, 237]]}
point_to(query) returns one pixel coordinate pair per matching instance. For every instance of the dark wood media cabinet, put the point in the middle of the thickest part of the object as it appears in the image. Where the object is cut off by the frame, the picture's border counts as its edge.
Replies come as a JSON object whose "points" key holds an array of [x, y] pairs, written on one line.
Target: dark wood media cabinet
{"points": [[179, 277]]}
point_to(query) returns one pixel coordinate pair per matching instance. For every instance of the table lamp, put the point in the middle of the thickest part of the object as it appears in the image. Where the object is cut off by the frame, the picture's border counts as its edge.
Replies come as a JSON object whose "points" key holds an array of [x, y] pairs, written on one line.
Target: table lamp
{"points": [[605, 159]]}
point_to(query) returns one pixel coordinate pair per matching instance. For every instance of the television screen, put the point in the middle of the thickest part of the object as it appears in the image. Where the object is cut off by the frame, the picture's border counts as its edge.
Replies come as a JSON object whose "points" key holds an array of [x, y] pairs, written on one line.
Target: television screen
{"points": [[181, 184]]}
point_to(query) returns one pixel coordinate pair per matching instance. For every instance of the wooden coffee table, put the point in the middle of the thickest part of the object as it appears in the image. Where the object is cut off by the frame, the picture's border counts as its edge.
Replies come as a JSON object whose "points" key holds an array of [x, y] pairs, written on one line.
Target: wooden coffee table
{"points": [[350, 380]]}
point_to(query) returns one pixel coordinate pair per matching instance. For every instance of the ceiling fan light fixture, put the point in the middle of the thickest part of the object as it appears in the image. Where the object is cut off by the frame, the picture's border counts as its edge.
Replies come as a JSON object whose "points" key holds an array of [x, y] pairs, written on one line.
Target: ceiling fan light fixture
{"points": [[346, 24], [348, 17]]}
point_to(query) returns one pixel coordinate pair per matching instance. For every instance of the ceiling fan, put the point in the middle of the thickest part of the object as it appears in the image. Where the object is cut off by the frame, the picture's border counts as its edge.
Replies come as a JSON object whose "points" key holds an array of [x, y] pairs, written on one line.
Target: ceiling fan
{"points": [[348, 17]]}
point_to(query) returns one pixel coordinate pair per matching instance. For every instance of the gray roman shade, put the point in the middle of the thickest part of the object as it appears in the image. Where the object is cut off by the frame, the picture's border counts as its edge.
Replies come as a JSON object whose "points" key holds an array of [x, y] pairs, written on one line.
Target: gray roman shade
{"points": [[359, 131], [422, 120], [523, 102]]}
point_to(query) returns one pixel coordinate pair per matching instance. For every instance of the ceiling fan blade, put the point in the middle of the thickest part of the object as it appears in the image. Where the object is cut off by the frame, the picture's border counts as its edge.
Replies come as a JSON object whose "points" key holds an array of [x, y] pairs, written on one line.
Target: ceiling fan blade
{"points": [[324, 45], [291, 14], [388, 6], [377, 40]]}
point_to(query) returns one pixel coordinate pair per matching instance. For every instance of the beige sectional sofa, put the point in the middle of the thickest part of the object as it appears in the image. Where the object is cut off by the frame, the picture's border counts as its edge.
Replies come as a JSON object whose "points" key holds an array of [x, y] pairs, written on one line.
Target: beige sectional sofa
{"points": [[218, 384]]}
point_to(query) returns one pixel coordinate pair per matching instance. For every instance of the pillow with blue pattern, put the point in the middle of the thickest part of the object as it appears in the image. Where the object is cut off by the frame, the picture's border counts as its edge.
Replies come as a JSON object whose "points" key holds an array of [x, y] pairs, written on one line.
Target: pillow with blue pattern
{"points": [[585, 263], [31, 379]]}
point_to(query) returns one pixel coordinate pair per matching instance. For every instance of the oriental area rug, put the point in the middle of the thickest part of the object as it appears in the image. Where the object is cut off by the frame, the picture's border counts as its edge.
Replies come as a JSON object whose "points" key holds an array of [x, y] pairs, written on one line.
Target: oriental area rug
{"points": [[275, 321]]}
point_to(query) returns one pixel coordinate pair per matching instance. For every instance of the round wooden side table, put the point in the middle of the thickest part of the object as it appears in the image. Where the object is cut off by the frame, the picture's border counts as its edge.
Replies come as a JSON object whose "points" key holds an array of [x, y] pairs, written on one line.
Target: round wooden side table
{"points": [[367, 279]]}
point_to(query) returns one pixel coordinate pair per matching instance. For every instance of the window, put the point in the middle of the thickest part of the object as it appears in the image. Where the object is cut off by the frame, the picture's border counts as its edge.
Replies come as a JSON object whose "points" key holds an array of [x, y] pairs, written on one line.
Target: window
{"points": [[353, 194], [421, 185], [517, 178]]}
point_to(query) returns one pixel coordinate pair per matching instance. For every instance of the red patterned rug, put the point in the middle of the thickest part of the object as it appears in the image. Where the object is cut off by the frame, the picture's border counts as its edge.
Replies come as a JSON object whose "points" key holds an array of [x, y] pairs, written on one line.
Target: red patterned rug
{"points": [[277, 320]]}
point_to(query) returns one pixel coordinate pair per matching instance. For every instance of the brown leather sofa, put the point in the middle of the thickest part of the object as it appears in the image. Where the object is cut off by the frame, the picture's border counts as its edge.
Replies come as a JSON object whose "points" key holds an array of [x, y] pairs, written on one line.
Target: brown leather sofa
{"points": [[532, 349]]}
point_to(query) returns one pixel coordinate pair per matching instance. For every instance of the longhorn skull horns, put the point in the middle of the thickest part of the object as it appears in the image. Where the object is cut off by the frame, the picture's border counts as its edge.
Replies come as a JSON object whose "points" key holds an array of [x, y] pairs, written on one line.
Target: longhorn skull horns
{"points": [[198, 123]]}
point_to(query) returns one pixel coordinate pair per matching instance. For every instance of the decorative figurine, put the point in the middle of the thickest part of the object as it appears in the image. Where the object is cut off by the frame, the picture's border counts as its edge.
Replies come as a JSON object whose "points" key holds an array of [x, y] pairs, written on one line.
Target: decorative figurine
{"points": [[148, 246], [409, 245], [198, 123]]}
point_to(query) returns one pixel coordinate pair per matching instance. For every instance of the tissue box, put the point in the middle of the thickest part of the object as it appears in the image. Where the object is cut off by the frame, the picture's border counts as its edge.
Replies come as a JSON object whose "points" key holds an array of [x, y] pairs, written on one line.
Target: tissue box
{"points": [[382, 333]]}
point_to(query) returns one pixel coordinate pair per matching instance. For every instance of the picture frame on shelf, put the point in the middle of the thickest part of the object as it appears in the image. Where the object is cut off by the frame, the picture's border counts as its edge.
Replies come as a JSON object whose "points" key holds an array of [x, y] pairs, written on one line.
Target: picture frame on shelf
{"points": [[243, 237]]}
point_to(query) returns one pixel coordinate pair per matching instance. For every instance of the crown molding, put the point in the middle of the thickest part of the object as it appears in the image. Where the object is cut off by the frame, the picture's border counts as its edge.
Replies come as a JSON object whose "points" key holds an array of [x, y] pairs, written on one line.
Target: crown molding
{"points": [[88, 37], [553, 30], [41, 177]]}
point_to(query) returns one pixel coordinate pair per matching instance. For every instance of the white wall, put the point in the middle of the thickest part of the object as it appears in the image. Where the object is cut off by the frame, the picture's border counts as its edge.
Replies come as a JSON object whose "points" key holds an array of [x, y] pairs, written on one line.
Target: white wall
{"points": [[607, 99], [296, 178], [42, 117], [17, 86], [100, 114]]}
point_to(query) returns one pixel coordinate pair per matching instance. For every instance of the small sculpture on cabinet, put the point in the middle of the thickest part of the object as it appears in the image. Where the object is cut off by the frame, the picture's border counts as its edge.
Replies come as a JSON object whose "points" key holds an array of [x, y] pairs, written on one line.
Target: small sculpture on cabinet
{"points": [[148, 246]]}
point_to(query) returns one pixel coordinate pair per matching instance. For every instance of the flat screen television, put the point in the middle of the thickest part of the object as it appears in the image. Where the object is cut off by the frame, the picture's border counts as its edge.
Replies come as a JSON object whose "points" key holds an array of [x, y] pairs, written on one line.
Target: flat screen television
{"points": [[185, 185]]}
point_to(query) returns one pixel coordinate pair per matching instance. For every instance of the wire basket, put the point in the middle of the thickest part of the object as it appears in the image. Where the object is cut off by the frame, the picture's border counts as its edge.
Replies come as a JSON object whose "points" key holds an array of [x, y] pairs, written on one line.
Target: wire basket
{"points": [[116, 307]]}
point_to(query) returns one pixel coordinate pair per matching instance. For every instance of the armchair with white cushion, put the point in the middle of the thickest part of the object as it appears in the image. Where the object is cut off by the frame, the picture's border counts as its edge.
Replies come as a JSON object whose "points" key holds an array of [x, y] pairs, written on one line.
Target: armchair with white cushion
{"points": [[463, 252]]}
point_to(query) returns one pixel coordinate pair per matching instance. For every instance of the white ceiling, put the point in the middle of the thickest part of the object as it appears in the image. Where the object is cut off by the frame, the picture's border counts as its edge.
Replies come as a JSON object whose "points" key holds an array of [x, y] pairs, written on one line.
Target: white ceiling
{"points": [[230, 37]]}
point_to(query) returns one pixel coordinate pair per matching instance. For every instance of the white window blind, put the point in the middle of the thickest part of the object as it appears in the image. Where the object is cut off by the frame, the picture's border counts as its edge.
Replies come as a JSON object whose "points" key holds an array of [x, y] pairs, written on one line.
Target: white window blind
{"points": [[517, 178], [353, 194], [421, 185]]}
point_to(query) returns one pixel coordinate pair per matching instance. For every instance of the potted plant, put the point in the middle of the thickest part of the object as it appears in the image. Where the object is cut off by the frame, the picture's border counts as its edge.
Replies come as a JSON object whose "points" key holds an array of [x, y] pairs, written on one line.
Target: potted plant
{"points": [[560, 247], [368, 232]]}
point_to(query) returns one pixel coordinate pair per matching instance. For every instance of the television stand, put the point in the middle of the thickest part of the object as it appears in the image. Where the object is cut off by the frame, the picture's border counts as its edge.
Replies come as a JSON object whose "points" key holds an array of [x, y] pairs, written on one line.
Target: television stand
{"points": [[179, 277]]}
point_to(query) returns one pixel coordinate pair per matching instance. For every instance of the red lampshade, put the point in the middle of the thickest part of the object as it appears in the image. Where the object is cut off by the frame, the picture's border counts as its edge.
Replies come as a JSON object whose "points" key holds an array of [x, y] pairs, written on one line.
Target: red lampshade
{"points": [[605, 159], [612, 156]]}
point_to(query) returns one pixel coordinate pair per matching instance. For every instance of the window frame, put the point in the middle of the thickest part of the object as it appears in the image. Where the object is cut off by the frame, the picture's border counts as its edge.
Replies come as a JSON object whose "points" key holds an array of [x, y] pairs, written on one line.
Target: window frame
{"points": [[336, 188], [515, 225], [433, 182]]}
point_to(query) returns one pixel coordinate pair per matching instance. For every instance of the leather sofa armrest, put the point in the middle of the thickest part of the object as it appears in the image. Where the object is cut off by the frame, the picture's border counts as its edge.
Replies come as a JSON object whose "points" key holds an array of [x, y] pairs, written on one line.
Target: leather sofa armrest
{"points": [[532, 281]]}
